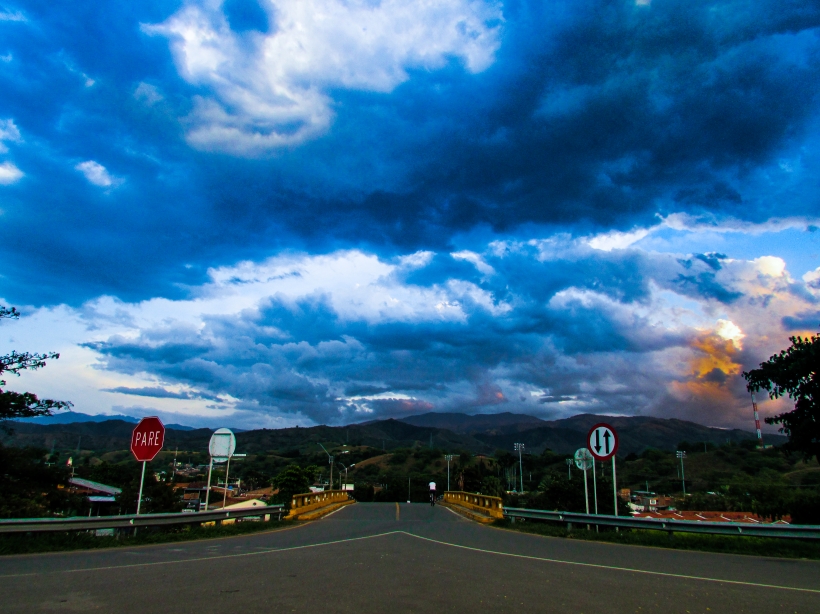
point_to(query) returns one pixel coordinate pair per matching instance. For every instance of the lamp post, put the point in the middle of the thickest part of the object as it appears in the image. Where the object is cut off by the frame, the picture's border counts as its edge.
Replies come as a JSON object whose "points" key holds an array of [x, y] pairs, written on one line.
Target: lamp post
{"points": [[340, 474], [681, 455], [520, 448], [330, 462], [448, 458]]}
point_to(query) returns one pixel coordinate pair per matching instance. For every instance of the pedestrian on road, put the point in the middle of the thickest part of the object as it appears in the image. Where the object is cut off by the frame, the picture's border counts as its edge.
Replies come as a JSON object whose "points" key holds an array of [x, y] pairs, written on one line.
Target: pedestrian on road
{"points": [[432, 486]]}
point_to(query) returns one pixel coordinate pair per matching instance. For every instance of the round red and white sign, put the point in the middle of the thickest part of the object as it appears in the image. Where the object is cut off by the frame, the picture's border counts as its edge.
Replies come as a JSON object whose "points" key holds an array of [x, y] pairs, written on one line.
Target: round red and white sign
{"points": [[147, 439], [602, 441]]}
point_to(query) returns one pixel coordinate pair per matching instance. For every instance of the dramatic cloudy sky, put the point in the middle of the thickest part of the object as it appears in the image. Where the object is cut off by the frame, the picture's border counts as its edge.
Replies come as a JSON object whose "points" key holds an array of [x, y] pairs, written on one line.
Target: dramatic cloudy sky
{"points": [[278, 212]]}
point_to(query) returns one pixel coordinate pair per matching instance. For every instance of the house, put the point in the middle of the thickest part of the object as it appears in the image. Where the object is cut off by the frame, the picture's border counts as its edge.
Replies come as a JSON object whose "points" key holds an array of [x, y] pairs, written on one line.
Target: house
{"points": [[101, 497]]}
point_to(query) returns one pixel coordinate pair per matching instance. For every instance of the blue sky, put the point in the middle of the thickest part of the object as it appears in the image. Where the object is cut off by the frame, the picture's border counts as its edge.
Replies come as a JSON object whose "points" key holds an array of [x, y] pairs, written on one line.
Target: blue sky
{"points": [[277, 212]]}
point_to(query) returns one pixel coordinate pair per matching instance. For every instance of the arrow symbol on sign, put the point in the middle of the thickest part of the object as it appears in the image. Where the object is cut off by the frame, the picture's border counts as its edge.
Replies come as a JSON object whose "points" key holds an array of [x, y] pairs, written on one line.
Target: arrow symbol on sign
{"points": [[597, 440], [606, 439]]}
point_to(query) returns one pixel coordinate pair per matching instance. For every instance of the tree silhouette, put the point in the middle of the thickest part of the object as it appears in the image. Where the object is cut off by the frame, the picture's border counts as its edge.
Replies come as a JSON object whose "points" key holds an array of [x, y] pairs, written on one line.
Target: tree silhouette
{"points": [[794, 372], [24, 404]]}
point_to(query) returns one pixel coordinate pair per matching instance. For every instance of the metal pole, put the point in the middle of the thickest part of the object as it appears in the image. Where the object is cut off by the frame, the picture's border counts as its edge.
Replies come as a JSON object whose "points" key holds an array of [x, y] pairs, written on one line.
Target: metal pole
{"points": [[225, 493], [681, 455], [586, 491], [142, 481], [408, 490], [595, 491], [614, 486], [520, 448], [208, 489], [448, 474], [594, 488]]}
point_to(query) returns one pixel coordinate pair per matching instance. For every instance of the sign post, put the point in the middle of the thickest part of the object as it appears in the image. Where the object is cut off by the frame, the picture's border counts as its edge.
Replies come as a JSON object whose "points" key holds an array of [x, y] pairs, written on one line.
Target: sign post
{"points": [[584, 461], [602, 442], [221, 448], [146, 442]]}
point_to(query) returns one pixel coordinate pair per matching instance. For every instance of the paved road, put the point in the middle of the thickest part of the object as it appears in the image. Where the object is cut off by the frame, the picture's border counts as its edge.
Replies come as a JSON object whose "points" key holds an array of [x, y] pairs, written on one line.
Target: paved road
{"points": [[407, 558]]}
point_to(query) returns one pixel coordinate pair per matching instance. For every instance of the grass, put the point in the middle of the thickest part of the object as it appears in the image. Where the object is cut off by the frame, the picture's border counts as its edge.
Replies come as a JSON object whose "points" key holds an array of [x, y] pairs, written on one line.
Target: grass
{"points": [[726, 544], [21, 543]]}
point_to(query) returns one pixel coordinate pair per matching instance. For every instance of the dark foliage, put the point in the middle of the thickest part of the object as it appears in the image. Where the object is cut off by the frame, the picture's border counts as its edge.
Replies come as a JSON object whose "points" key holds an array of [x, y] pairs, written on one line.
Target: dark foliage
{"points": [[293, 480], [24, 404], [33, 489], [794, 372]]}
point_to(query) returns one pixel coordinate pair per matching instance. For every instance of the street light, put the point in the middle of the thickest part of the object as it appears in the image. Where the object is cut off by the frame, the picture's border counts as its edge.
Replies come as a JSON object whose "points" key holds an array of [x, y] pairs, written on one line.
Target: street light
{"points": [[330, 462], [448, 458], [520, 448], [340, 475], [681, 455]]}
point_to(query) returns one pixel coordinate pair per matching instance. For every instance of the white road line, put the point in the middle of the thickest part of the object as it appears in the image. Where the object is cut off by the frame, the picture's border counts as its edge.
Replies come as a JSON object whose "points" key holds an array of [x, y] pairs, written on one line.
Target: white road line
{"points": [[614, 568], [204, 558], [435, 541]]}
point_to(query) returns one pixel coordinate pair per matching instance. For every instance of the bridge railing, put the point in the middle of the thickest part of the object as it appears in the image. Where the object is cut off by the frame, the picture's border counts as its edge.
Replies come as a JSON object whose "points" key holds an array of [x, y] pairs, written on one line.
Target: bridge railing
{"points": [[307, 502], [669, 525], [483, 504], [85, 523]]}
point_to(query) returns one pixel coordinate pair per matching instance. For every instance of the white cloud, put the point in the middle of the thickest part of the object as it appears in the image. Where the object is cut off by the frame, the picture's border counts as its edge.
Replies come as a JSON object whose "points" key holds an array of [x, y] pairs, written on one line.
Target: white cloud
{"points": [[270, 90], [476, 260], [15, 16], [617, 240], [8, 132], [726, 329], [147, 94], [9, 173], [6, 58], [686, 222], [97, 174]]}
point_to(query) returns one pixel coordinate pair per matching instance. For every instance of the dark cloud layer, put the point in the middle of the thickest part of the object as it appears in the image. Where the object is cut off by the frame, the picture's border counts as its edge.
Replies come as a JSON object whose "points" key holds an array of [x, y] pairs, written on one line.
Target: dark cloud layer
{"points": [[594, 114]]}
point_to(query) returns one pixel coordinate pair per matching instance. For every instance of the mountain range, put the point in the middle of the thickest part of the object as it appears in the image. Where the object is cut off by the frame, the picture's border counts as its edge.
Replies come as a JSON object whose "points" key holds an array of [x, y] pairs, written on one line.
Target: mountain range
{"points": [[484, 433]]}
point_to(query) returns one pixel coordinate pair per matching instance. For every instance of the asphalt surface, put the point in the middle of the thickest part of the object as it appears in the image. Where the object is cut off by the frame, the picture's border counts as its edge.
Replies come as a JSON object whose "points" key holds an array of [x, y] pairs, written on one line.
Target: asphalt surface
{"points": [[406, 558]]}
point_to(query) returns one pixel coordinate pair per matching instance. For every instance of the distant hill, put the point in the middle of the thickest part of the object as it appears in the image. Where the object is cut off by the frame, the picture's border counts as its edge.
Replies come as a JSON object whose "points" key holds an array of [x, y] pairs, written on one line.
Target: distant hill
{"points": [[635, 434], [116, 435], [477, 434], [73, 417], [495, 424]]}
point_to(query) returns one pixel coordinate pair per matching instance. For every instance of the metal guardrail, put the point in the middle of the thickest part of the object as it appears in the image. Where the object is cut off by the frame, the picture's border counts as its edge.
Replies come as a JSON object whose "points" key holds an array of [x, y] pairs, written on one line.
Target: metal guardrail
{"points": [[84, 523], [669, 525]]}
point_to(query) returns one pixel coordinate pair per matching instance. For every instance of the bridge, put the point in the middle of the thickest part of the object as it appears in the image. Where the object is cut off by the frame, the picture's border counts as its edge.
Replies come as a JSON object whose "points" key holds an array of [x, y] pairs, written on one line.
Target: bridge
{"points": [[378, 557]]}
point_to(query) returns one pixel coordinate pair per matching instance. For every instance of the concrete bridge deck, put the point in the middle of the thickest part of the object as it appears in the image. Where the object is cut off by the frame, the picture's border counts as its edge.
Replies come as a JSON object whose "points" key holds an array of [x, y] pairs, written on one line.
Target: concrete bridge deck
{"points": [[403, 558]]}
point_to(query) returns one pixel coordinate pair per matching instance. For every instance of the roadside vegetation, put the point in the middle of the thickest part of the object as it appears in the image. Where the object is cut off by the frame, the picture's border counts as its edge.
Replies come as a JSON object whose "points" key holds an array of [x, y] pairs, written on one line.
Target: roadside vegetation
{"points": [[725, 544], [81, 540]]}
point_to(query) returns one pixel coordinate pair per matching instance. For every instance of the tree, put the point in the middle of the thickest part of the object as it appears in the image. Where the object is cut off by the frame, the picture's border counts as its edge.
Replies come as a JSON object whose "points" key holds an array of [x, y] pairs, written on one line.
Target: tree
{"points": [[794, 372], [293, 480], [24, 404], [492, 487]]}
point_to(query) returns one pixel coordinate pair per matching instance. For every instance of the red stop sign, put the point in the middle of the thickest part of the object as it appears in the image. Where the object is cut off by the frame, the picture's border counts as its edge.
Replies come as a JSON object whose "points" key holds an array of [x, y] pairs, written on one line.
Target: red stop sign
{"points": [[147, 438]]}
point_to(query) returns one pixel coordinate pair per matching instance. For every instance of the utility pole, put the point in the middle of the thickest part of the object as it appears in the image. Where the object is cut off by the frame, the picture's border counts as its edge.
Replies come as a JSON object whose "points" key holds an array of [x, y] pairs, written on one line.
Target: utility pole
{"points": [[681, 455], [448, 458], [569, 468], [520, 448]]}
